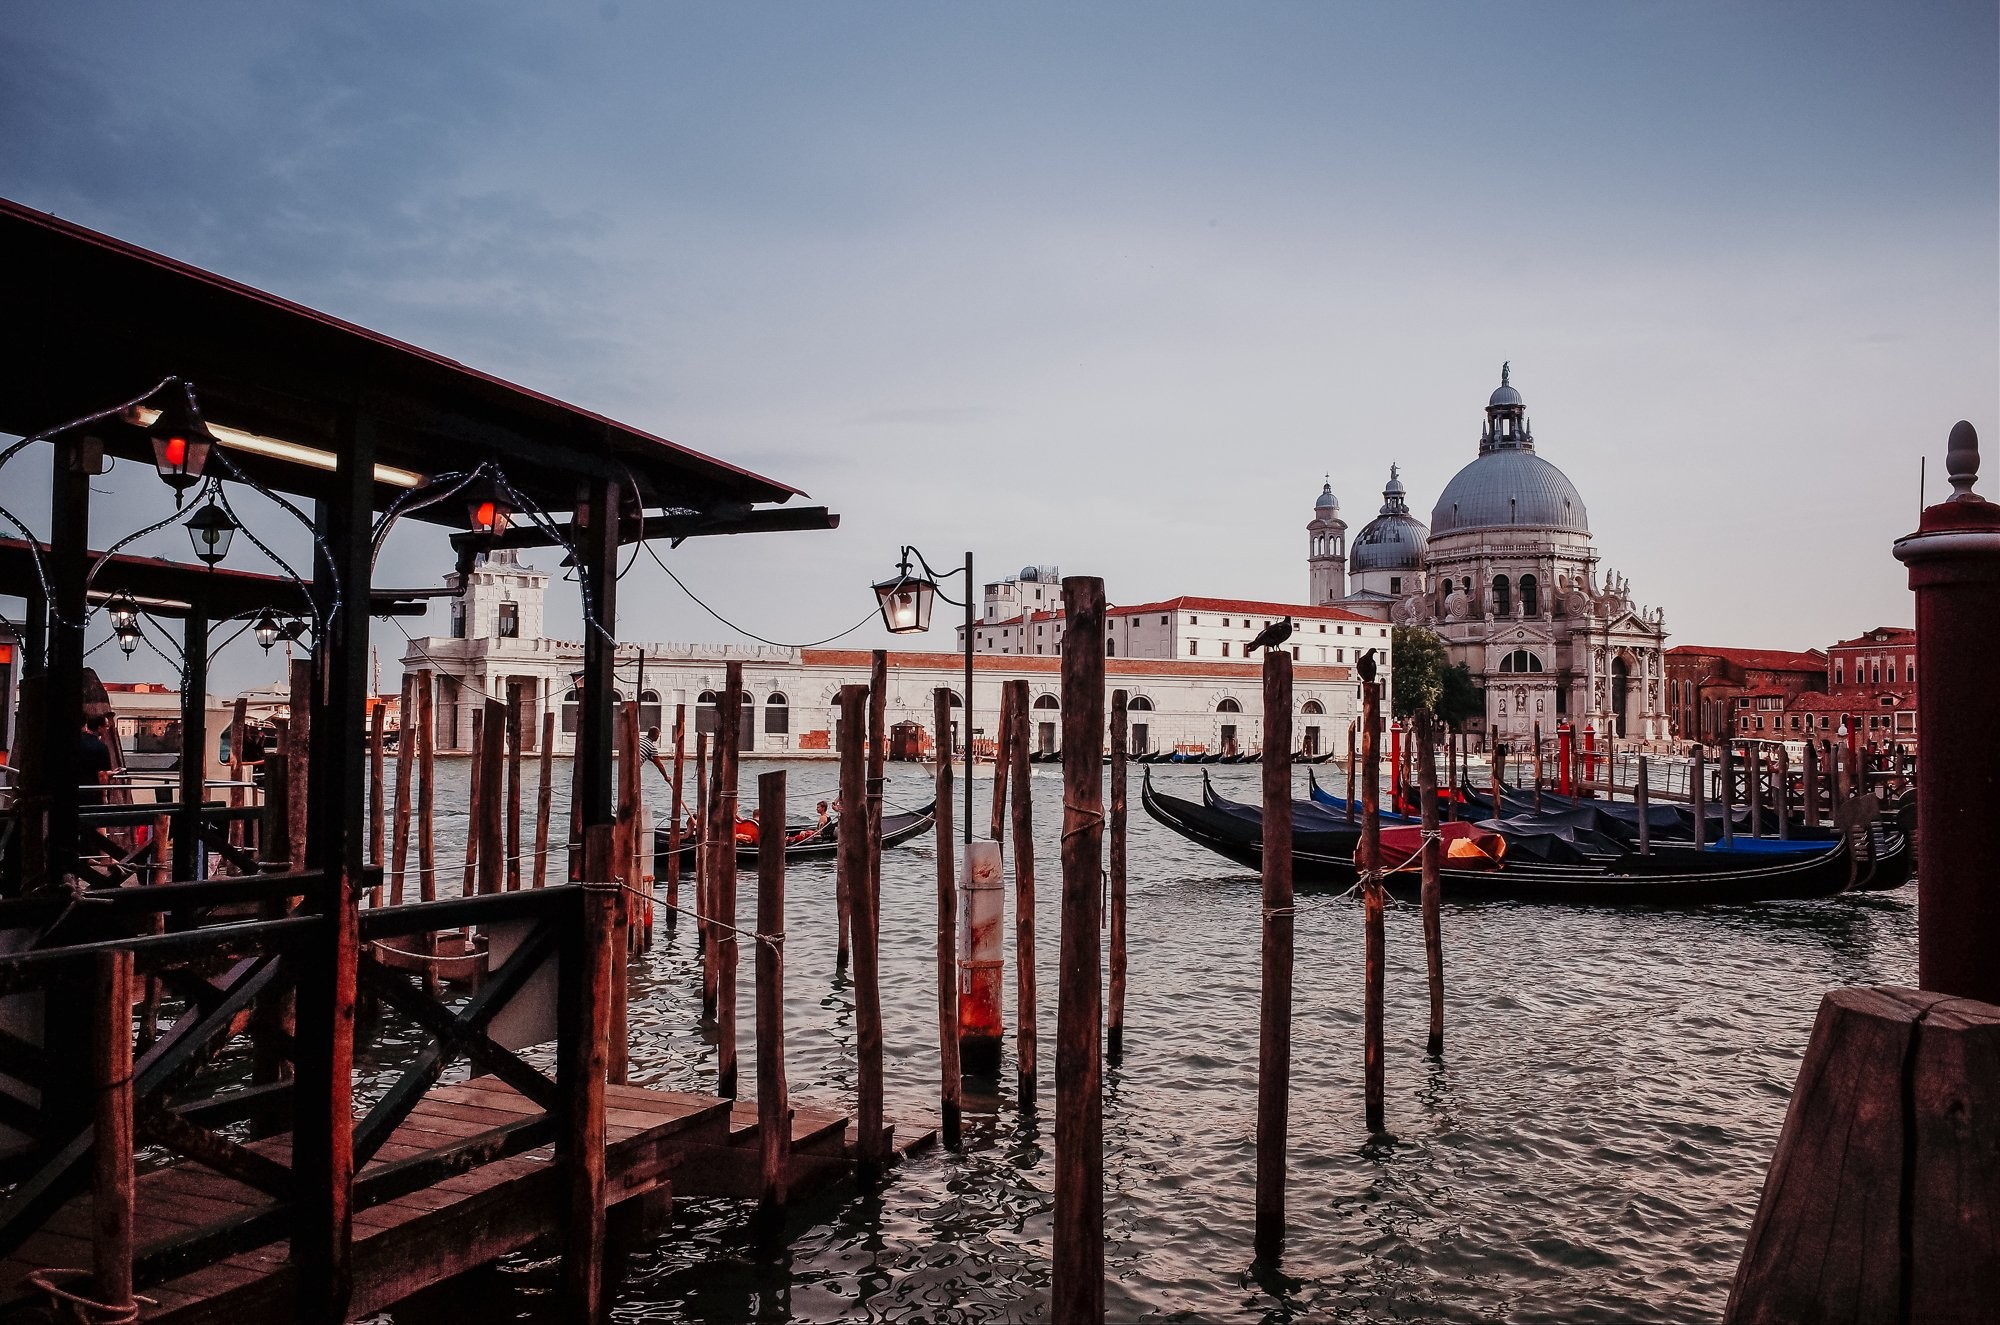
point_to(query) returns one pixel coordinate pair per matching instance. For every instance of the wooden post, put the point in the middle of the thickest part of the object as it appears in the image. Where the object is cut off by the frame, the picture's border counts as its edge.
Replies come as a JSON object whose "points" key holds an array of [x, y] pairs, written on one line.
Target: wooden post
{"points": [[728, 736], [1433, 896], [1781, 795], [545, 798], [1642, 796], [406, 759], [1698, 796], [851, 864], [1754, 766], [1024, 897], [618, 1043], [274, 830], [513, 786], [1000, 768], [1114, 1034], [112, 1193], [1497, 769], [1077, 1288], [1811, 772], [475, 804], [1452, 741], [1347, 792], [298, 746], [1274, 1019], [774, 1105], [582, 1053], [492, 790], [677, 818], [1726, 785], [872, 1144], [951, 1093], [378, 855], [238, 793], [704, 863], [1538, 768], [426, 735], [1372, 897]]}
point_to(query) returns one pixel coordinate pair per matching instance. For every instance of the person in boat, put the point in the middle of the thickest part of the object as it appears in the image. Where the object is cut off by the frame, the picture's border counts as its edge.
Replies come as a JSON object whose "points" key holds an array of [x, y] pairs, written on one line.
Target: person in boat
{"points": [[649, 750], [747, 830], [94, 760]]}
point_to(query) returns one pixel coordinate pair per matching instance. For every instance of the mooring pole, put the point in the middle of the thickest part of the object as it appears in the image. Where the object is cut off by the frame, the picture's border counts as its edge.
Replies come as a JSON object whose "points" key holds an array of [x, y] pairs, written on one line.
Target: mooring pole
{"points": [[951, 1088], [1025, 1036], [1114, 1035], [870, 1146], [1077, 1288], [1274, 1037], [1433, 898], [728, 741], [774, 1104], [1373, 898]]}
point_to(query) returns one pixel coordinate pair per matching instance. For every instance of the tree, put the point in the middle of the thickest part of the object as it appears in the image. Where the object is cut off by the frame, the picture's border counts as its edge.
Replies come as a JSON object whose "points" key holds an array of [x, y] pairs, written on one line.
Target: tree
{"points": [[1426, 678]]}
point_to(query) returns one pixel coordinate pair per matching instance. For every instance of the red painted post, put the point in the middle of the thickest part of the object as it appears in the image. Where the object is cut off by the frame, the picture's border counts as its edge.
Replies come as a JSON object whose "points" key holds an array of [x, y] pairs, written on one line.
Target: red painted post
{"points": [[1954, 561], [1590, 753]]}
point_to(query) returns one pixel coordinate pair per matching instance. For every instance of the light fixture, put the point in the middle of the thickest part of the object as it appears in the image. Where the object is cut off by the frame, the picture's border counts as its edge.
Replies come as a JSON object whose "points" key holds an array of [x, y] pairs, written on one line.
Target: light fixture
{"points": [[266, 629], [128, 634], [906, 601], [180, 439], [124, 612], [274, 448], [295, 630], [211, 529], [489, 514]]}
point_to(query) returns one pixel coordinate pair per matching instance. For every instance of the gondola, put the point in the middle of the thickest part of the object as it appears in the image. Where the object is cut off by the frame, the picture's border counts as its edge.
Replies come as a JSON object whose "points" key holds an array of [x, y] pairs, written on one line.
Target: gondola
{"points": [[1672, 875], [822, 845]]}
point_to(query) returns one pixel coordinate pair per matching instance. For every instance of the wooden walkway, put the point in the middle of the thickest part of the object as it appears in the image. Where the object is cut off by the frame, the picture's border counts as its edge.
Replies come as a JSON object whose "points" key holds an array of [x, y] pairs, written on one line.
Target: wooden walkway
{"points": [[657, 1142]]}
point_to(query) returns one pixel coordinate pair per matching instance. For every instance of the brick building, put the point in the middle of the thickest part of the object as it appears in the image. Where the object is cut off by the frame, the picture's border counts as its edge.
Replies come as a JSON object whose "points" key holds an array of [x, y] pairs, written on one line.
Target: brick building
{"points": [[1713, 691]]}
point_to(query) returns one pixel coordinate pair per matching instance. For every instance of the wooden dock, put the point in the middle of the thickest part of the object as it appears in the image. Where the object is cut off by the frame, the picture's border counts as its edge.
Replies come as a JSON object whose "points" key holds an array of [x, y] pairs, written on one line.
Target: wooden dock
{"points": [[657, 1143]]}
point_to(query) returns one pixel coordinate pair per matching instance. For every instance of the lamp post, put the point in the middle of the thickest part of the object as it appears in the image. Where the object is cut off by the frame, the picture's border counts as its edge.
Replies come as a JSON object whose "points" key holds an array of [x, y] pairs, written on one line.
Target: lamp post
{"points": [[906, 601]]}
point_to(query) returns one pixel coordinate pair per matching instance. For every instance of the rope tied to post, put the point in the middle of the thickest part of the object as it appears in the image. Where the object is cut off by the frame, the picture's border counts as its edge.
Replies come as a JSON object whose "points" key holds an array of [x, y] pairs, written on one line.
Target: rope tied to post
{"points": [[87, 1308], [1091, 819]]}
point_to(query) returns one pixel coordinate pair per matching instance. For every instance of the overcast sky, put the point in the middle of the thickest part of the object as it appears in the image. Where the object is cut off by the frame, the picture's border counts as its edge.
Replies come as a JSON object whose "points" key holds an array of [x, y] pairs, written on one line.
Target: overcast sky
{"points": [[1110, 286]]}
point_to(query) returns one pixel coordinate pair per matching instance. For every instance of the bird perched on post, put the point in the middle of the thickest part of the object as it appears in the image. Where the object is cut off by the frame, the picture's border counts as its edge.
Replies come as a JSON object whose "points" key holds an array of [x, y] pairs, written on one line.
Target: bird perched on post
{"points": [[1270, 637], [1365, 665]]}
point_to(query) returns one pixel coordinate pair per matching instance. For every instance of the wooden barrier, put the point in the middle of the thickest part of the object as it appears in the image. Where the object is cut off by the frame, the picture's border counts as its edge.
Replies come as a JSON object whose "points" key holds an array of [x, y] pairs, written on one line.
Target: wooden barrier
{"points": [[951, 1088], [1274, 1021], [1077, 1288]]}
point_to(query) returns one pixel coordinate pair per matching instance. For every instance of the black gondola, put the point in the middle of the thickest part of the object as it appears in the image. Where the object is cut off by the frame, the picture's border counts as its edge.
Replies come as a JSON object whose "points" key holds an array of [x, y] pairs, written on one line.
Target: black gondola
{"points": [[822, 844], [1672, 875]]}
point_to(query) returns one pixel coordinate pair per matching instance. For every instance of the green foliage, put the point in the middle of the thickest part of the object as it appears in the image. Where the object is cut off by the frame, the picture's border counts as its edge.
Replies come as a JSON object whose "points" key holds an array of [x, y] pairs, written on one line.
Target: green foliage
{"points": [[1426, 678]]}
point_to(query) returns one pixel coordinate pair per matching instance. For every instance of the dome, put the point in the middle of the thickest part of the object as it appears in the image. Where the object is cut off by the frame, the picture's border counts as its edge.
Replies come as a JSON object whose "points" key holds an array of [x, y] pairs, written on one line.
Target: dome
{"points": [[1030, 574], [1393, 540], [1503, 395], [1509, 487], [1327, 501]]}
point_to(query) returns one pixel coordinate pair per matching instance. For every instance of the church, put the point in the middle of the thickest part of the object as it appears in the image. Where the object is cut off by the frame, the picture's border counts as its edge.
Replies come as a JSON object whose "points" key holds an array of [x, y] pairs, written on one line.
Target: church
{"points": [[1506, 575]]}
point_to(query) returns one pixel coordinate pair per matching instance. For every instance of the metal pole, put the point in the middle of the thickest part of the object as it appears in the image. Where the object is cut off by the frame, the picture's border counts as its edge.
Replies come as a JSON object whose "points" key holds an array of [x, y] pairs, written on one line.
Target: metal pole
{"points": [[967, 723]]}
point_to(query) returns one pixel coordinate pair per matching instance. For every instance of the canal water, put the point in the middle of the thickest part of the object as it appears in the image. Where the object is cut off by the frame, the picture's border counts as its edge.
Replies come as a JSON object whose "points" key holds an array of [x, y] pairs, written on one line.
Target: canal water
{"points": [[1590, 1148]]}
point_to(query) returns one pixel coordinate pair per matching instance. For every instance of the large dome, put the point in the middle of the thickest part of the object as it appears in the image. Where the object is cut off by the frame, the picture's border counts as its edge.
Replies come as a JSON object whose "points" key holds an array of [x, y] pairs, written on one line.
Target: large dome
{"points": [[1509, 487]]}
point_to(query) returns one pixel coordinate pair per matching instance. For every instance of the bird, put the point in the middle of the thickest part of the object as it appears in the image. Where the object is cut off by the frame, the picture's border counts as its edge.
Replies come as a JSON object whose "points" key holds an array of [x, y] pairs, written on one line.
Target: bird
{"points": [[1270, 637], [1365, 665]]}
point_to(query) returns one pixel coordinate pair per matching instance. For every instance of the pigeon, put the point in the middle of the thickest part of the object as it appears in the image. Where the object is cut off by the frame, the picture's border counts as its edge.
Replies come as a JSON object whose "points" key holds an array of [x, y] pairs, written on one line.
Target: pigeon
{"points": [[1365, 665], [1270, 637]]}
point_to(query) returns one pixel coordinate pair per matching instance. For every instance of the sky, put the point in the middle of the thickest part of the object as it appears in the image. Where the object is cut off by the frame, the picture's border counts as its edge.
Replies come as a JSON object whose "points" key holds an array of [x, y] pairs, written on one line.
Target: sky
{"points": [[1114, 287]]}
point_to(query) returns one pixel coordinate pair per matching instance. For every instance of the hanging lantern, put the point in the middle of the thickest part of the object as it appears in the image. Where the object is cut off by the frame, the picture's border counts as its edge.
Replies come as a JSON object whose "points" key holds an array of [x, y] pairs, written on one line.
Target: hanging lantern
{"points": [[295, 630], [906, 601], [128, 636], [266, 629], [211, 529], [124, 613], [487, 511], [180, 441]]}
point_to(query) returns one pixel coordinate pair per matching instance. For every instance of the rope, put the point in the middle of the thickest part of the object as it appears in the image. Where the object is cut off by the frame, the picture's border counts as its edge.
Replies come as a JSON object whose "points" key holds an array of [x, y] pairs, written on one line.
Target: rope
{"points": [[748, 634], [97, 1313]]}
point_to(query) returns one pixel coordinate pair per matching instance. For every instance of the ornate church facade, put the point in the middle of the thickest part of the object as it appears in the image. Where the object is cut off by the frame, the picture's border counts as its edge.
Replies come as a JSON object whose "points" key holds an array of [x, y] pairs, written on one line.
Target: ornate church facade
{"points": [[1506, 574]]}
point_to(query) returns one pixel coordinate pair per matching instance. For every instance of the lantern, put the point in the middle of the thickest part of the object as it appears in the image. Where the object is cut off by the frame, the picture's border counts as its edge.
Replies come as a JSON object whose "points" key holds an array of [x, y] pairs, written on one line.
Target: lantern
{"points": [[487, 512], [128, 635], [180, 441], [906, 601], [266, 630], [211, 529], [124, 613]]}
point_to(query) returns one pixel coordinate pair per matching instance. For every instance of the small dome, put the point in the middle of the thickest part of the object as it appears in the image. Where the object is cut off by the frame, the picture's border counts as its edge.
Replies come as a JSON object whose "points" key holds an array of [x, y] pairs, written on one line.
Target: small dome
{"points": [[1327, 501], [1503, 395], [1030, 574], [1393, 540], [1394, 490]]}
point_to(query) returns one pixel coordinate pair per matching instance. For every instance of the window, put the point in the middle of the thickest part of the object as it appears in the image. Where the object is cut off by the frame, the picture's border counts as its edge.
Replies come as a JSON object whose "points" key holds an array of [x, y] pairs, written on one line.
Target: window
{"points": [[1046, 702], [1530, 596], [1906, 722], [1163, 621], [777, 716], [1888, 701], [1139, 704], [1840, 674], [458, 619], [1312, 706], [1877, 680], [1910, 671], [1769, 702], [1194, 621], [1194, 647], [1322, 627], [571, 706], [705, 717], [1111, 648], [1503, 601], [1520, 660], [1229, 706], [649, 709], [509, 624], [1225, 648], [1395, 584]]}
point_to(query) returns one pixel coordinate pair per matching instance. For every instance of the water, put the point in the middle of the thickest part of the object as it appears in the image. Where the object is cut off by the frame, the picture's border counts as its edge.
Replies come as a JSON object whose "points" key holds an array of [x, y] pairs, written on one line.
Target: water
{"points": [[1590, 1149]]}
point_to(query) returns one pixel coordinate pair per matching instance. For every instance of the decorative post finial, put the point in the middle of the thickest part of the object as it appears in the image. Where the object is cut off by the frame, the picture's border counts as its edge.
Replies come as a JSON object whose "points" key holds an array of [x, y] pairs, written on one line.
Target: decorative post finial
{"points": [[1961, 461], [1503, 372]]}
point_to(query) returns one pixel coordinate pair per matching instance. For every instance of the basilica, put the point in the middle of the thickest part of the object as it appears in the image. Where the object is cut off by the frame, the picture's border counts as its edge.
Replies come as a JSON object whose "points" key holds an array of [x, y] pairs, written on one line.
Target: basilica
{"points": [[1506, 574]]}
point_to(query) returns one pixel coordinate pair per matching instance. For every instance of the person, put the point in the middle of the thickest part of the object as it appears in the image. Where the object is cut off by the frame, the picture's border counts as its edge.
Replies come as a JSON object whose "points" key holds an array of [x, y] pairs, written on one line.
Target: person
{"points": [[93, 758], [747, 830], [649, 750], [825, 817]]}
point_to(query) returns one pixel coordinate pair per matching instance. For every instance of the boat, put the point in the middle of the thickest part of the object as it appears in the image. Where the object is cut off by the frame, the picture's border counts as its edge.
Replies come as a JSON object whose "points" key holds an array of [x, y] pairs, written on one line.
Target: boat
{"points": [[1672, 874], [807, 841]]}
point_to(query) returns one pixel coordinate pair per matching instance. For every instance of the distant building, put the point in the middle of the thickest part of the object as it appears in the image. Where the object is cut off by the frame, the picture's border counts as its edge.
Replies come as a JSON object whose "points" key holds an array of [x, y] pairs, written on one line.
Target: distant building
{"points": [[1868, 683], [1872, 684], [1708, 685]]}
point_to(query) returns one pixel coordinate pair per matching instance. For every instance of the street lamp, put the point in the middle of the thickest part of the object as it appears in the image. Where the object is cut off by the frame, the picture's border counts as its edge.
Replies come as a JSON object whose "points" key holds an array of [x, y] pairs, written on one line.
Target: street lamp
{"points": [[906, 600], [180, 440], [266, 629], [211, 529]]}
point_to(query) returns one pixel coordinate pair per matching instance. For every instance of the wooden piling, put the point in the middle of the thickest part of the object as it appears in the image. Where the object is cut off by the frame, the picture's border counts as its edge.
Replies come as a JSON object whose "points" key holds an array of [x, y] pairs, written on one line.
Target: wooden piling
{"points": [[1452, 742], [274, 830], [774, 1105], [871, 1147], [951, 1092], [1114, 1032], [704, 850], [1026, 1069], [851, 864], [426, 735], [582, 1054], [1372, 893], [1811, 774], [406, 759], [1077, 1281], [112, 1193], [1698, 795], [1754, 768], [238, 793], [1642, 796], [378, 855], [1347, 792], [544, 798], [298, 746], [1781, 795], [513, 815], [1274, 1019], [1538, 768], [1433, 885], [1726, 787], [474, 803], [492, 800], [1000, 768], [728, 738], [1497, 768], [618, 1045], [677, 818]]}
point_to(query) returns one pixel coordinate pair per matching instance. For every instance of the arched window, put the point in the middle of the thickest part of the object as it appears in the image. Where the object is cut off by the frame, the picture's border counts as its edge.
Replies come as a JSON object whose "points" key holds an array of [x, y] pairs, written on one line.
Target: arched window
{"points": [[1503, 599], [1110, 648], [1312, 706], [1229, 706], [572, 705], [777, 715], [1531, 599], [705, 716], [1139, 704], [1046, 702], [1520, 660], [649, 709]]}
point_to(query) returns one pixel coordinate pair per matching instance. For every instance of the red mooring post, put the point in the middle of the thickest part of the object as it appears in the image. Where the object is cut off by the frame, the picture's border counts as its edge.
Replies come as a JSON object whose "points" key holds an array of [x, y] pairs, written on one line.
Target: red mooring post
{"points": [[1954, 561]]}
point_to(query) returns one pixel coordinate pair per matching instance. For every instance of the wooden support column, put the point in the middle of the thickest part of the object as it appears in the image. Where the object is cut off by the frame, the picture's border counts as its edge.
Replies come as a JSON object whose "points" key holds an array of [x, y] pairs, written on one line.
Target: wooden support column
{"points": [[194, 741], [491, 800], [1347, 792], [1755, 765], [871, 1146], [597, 576], [378, 821], [406, 755], [299, 738], [1077, 1288], [1114, 1033], [951, 1090], [584, 1017], [475, 813], [774, 1105], [1373, 897], [544, 798], [112, 1191], [704, 850], [68, 565], [728, 738], [1000, 765], [617, 1053], [514, 689], [1274, 1021], [1433, 894], [1727, 787], [1026, 1069], [678, 817], [238, 796], [1781, 797]]}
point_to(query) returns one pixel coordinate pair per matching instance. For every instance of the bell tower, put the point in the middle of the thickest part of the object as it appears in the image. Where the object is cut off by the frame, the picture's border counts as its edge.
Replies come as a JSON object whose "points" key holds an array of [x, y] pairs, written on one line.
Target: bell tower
{"points": [[1326, 540]]}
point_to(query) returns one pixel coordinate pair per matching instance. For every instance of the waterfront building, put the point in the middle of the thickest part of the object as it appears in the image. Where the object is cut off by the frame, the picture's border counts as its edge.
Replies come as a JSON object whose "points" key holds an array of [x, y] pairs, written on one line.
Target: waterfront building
{"points": [[1871, 686], [1507, 575], [1713, 691]]}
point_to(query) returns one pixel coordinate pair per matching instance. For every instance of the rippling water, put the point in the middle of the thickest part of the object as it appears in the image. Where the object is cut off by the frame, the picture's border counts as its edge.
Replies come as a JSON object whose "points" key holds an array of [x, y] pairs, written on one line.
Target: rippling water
{"points": [[1590, 1148]]}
